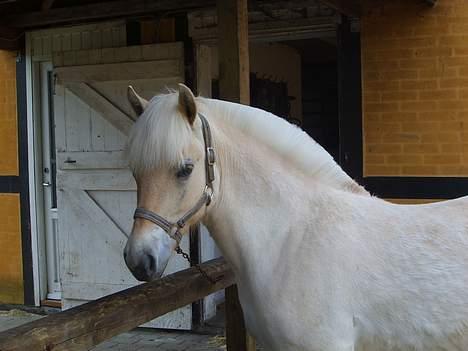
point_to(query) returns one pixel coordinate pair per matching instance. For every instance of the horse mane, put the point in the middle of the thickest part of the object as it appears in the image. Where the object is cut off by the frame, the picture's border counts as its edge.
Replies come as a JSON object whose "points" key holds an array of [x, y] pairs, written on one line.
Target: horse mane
{"points": [[284, 138], [148, 149]]}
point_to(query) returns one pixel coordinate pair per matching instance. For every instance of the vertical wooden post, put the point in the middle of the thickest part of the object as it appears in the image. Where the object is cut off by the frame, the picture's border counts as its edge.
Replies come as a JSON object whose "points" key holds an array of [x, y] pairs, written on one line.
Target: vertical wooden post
{"points": [[233, 50], [233, 53]]}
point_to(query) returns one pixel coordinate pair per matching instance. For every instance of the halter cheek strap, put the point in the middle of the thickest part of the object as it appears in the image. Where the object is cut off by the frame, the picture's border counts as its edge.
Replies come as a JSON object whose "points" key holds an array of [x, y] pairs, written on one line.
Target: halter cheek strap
{"points": [[173, 229]]}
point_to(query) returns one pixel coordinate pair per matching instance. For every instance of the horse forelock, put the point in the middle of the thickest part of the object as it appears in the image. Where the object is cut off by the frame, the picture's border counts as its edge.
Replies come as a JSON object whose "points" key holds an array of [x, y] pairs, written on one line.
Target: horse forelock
{"points": [[159, 136]]}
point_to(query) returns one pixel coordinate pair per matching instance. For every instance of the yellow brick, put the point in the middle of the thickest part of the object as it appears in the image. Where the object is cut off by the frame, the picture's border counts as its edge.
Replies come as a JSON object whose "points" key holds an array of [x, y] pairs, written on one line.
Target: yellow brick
{"points": [[399, 116], [382, 170], [399, 96], [452, 41], [420, 170], [383, 148], [432, 105], [451, 148], [454, 126], [442, 159], [453, 105], [454, 83], [400, 138], [421, 148], [372, 137], [455, 171], [442, 137], [404, 159], [426, 84], [419, 63], [372, 117], [383, 127], [8, 123], [380, 107], [420, 127], [375, 159], [11, 276], [383, 85], [438, 115], [445, 72], [419, 106], [438, 94], [433, 52]]}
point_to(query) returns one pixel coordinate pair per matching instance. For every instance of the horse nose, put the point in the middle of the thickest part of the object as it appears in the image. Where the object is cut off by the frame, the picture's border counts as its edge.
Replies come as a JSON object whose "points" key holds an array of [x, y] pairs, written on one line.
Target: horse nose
{"points": [[144, 269]]}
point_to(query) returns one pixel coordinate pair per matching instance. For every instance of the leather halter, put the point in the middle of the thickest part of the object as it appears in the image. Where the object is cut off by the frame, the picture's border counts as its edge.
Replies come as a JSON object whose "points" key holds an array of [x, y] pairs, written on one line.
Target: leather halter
{"points": [[173, 229]]}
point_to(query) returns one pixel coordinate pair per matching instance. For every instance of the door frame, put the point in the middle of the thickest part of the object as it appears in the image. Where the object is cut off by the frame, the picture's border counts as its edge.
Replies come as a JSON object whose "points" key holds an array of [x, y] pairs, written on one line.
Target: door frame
{"points": [[36, 204]]}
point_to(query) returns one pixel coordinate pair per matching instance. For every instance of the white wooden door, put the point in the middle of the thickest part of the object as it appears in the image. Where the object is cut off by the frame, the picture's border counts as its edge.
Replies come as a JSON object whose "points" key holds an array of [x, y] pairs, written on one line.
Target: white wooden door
{"points": [[96, 191]]}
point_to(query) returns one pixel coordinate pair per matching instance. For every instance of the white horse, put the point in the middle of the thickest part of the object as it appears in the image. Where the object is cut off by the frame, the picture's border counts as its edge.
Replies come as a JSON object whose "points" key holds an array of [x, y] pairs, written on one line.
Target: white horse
{"points": [[320, 264]]}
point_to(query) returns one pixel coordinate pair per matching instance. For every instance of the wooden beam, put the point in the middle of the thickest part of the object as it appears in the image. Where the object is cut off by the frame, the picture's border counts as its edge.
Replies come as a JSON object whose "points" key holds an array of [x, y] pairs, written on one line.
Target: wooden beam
{"points": [[103, 106], [118, 71], [233, 52], [100, 11], [85, 326], [346, 7], [10, 38], [233, 49], [46, 4], [237, 339]]}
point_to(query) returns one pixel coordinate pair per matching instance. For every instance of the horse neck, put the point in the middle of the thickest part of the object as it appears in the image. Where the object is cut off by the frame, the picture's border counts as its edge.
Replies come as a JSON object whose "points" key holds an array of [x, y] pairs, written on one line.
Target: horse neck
{"points": [[259, 192], [259, 198], [303, 153]]}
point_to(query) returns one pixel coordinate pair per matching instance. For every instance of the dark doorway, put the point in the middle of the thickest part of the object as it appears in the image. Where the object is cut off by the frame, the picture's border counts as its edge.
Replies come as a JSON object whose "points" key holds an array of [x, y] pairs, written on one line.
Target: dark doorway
{"points": [[320, 91]]}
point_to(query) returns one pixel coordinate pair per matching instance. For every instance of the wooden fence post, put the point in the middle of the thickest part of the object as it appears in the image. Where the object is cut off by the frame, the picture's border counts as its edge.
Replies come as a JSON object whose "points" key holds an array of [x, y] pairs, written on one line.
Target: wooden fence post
{"points": [[233, 53]]}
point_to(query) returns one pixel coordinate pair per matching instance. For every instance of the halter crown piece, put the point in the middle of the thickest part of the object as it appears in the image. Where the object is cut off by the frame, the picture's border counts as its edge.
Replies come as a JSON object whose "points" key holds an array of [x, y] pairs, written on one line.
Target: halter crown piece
{"points": [[173, 229]]}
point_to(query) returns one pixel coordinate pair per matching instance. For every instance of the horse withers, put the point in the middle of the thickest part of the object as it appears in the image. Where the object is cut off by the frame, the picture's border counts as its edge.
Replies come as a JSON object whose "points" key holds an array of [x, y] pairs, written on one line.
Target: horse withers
{"points": [[320, 263]]}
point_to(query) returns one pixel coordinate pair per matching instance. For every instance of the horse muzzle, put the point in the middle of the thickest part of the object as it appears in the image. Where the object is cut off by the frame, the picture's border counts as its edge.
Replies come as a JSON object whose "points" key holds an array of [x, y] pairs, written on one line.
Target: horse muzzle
{"points": [[146, 255]]}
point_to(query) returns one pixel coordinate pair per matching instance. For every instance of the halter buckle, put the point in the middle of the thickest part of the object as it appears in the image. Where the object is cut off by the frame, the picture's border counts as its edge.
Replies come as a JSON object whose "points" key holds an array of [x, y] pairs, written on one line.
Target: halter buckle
{"points": [[209, 193], [210, 156]]}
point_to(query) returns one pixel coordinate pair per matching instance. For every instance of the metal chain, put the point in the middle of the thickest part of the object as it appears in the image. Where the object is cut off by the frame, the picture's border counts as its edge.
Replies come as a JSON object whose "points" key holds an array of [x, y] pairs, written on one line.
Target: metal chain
{"points": [[185, 255]]}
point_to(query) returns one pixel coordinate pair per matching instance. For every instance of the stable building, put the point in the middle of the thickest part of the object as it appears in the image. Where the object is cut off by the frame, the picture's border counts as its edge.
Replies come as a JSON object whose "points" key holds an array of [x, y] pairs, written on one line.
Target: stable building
{"points": [[381, 85]]}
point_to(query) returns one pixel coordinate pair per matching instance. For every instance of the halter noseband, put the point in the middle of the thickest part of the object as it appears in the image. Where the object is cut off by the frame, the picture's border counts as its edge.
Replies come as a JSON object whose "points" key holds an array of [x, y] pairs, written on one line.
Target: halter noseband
{"points": [[173, 229]]}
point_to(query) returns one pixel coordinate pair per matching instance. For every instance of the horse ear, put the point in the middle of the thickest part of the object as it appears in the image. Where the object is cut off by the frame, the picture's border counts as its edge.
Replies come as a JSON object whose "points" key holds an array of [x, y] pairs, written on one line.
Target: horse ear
{"points": [[187, 103], [137, 102]]}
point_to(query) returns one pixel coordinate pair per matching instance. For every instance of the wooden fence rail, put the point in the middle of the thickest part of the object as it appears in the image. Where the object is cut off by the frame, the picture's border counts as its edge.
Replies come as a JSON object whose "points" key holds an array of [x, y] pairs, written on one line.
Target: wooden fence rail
{"points": [[85, 326]]}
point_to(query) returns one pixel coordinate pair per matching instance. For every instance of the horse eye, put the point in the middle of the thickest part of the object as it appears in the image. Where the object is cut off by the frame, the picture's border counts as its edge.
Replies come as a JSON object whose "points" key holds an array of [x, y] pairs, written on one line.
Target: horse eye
{"points": [[185, 170]]}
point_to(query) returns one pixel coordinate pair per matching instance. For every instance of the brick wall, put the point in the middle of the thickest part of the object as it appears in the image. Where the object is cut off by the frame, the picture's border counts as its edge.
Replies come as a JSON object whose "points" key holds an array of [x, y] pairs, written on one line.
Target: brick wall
{"points": [[8, 128], [11, 268], [415, 88]]}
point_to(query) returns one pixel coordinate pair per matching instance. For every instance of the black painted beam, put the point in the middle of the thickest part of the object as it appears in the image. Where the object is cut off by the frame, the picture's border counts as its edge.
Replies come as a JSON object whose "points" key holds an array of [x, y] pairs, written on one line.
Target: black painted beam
{"points": [[100, 11], [417, 187]]}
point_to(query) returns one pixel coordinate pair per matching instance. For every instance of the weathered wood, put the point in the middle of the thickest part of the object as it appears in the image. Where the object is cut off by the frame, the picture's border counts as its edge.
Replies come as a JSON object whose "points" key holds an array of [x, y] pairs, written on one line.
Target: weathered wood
{"points": [[82, 327], [10, 38], [233, 53], [204, 75], [233, 48], [237, 338], [346, 7], [100, 11], [118, 71], [103, 106], [99, 180], [92, 160]]}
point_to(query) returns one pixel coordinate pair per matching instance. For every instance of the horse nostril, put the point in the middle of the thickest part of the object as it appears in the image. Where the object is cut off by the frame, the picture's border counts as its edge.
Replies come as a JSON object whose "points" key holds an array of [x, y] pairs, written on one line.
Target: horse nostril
{"points": [[152, 263], [125, 255]]}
